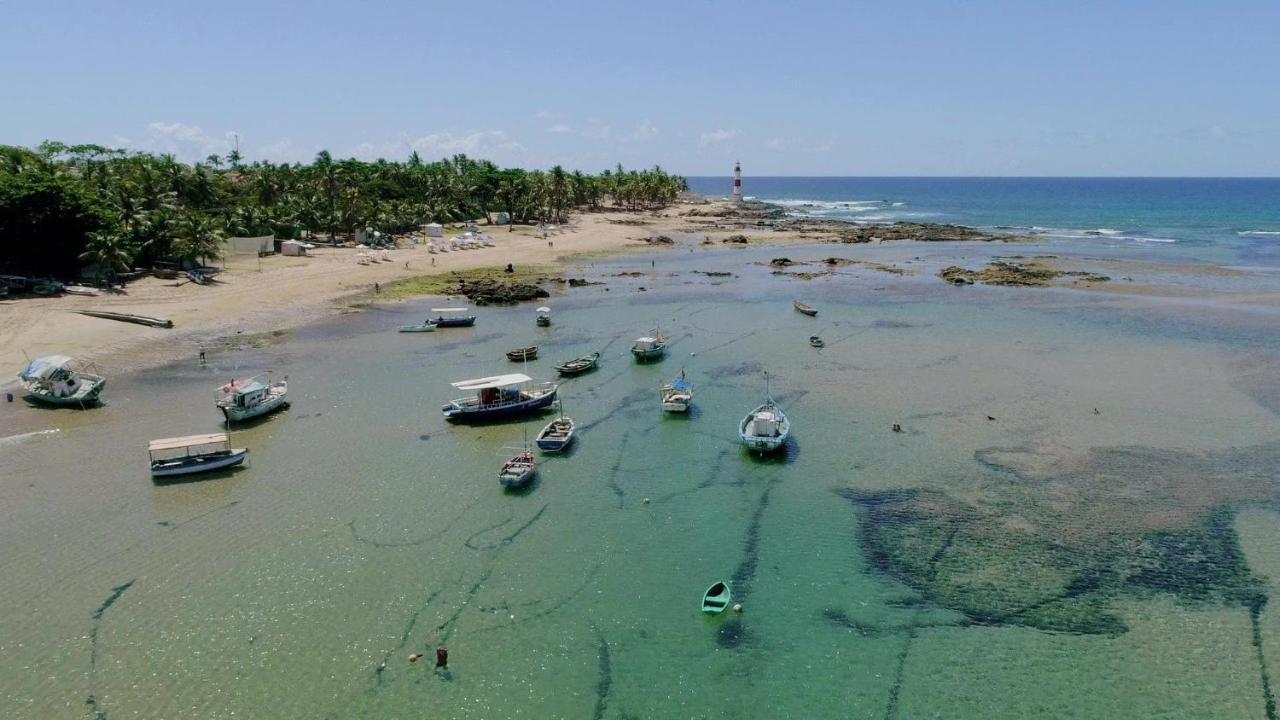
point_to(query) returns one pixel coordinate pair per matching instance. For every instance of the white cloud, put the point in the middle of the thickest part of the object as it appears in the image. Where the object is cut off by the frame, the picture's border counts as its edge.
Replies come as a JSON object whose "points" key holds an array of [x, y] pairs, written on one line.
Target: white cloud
{"points": [[717, 136], [559, 128], [279, 151], [187, 142], [548, 115], [644, 131], [596, 130], [480, 143]]}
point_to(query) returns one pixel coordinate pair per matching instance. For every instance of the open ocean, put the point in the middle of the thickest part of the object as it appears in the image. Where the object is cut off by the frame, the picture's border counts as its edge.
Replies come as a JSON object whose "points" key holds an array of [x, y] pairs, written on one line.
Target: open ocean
{"points": [[1225, 220]]}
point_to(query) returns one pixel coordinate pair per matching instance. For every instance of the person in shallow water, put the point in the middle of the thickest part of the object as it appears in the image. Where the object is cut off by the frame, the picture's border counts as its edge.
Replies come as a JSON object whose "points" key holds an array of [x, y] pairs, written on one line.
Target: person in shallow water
{"points": [[442, 657]]}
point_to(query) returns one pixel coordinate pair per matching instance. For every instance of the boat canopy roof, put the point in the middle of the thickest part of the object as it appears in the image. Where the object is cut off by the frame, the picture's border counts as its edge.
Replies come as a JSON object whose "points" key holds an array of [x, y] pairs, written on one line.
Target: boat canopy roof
{"points": [[496, 381], [43, 367], [249, 387], [448, 309], [646, 340], [544, 309], [176, 443]]}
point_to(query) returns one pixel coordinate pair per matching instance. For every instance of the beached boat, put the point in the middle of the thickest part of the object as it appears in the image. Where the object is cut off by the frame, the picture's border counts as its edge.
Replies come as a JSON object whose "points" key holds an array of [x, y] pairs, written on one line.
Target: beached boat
{"points": [[815, 341], [716, 598], [456, 317], [424, 326], [244, 399], [544, 316], [199, 453], [557, 434], [498, 397], [129, 317], [59, 380], [806, 309], [522, 354], [677, 395], [766, 428], [651, 347], [81, 290], [517, 472], [577, 366]]}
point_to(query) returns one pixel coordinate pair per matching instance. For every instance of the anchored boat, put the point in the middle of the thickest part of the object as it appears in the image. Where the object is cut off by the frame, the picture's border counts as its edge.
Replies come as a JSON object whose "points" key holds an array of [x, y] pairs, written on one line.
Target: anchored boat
{"points": [[815, 341], [650, 347], [577, 366], [766, 428], [199, 453], [498, 397], [456, 317], [522, 354], [244, 399], [806, 309], [716, 598], [557, 434], [544, 316], [518, 471], [677, 395], [424, 326], [59, 380]]}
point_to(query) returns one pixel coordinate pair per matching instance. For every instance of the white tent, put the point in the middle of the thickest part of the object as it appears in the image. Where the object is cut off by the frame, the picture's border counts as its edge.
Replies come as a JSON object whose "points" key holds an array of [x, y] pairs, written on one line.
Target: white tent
{"points": [[293, 248], [435, 230]]}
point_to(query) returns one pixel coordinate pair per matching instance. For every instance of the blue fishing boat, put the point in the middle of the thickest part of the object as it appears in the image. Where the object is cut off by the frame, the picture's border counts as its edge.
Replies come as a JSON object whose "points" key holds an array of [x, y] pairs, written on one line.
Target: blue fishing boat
{"points": [[498, 397]]}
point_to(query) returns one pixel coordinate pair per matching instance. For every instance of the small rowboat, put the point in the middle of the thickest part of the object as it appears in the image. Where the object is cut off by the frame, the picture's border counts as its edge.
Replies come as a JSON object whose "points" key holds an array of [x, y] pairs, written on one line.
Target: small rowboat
{"points": [[805, 309], [815, 341], [717, 598], [556, 436], [524, 353], [424, 326], [578, 365], [518, 471]]}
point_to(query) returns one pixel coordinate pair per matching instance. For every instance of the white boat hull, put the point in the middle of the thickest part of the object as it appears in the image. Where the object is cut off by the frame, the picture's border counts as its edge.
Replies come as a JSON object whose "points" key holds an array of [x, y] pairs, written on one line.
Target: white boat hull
{"points": [[199, 464], [273, 402], [676, 406]]}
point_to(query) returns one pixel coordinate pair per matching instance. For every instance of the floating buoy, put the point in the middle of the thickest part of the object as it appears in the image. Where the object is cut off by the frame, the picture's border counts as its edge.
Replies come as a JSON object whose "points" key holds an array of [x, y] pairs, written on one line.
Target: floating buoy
{"points": [[413, 657], [646, 501], [737, 607]]}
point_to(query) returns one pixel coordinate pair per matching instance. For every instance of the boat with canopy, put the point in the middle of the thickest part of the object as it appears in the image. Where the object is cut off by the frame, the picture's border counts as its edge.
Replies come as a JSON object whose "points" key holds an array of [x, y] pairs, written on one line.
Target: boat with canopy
{"points": [[193, 454], [766, 428], [60, 380], [244, 399], [452, 317], [677, 395], [499, 396]]}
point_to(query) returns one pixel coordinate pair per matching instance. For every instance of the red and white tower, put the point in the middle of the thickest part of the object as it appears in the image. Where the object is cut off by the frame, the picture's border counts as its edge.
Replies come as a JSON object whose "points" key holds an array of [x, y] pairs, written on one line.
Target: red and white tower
{"points": [[737, 182]]}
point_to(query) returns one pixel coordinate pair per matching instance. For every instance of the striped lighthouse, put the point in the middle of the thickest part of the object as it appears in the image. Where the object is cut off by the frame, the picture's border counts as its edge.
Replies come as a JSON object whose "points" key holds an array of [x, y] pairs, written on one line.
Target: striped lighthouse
{"points": [[737, 182]]}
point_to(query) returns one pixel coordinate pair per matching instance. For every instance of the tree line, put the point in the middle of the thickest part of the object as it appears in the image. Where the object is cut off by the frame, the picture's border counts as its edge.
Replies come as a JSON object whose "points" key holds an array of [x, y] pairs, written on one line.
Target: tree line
{"points": [[64, 207]]}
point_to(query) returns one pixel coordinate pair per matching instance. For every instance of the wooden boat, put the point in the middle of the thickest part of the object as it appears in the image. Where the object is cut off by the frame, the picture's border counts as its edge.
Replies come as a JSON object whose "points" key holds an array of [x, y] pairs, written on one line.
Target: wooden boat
{"points": [[424, 326], [716, 598], [815, 341], [766, 428], [544, 316], [517, 472], [81, 290], [198, 277], [557, 434], [650, 347], [200, 453], [128, 317], [522, 354], [677, 395], [806, 309], [244, 399], [498, 397], [457, 317], [577, 366], [59, 380]]}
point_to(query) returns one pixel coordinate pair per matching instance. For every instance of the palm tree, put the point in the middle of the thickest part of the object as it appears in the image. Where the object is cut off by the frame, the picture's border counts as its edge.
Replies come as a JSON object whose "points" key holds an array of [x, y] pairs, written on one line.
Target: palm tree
{"points": [[198, 237], [106, 251]]}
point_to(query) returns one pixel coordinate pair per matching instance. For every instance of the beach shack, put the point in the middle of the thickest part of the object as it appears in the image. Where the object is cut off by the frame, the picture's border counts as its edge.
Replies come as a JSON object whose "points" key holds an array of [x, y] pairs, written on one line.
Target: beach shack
{"points": [[434, 230], [293, 248]]}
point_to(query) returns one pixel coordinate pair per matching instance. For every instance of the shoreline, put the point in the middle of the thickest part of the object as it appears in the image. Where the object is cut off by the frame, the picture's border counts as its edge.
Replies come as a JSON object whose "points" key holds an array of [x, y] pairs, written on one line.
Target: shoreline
{"points": [[275, 294]]}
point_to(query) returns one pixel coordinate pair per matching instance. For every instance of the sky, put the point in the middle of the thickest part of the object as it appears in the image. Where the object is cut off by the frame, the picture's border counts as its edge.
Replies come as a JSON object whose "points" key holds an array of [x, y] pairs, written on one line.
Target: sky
{"points": [[840, 87]]}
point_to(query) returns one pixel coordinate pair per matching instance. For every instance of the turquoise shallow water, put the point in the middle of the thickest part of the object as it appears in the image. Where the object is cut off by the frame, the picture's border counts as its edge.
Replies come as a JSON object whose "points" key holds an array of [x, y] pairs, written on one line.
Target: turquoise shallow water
{"points": [[366, 528]]}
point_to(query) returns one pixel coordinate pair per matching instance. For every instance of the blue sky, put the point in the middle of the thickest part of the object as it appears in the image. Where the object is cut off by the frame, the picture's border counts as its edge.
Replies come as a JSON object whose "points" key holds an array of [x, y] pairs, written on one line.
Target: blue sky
{"points": [[931, 87]]}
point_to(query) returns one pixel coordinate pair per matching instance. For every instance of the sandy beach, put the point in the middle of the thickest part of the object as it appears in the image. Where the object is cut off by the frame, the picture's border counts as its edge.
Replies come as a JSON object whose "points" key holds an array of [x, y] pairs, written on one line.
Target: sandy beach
{"points": [[276, 293]]}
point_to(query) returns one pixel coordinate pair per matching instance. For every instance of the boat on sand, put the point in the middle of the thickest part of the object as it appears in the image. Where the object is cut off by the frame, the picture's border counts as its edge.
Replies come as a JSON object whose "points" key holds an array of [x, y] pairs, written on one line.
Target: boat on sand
{"points": [[60, 380]]}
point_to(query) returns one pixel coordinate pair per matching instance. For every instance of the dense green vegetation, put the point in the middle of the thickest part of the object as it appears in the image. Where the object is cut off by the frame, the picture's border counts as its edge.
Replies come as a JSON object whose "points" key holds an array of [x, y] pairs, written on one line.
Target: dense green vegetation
{"points": [[64, 207]]}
